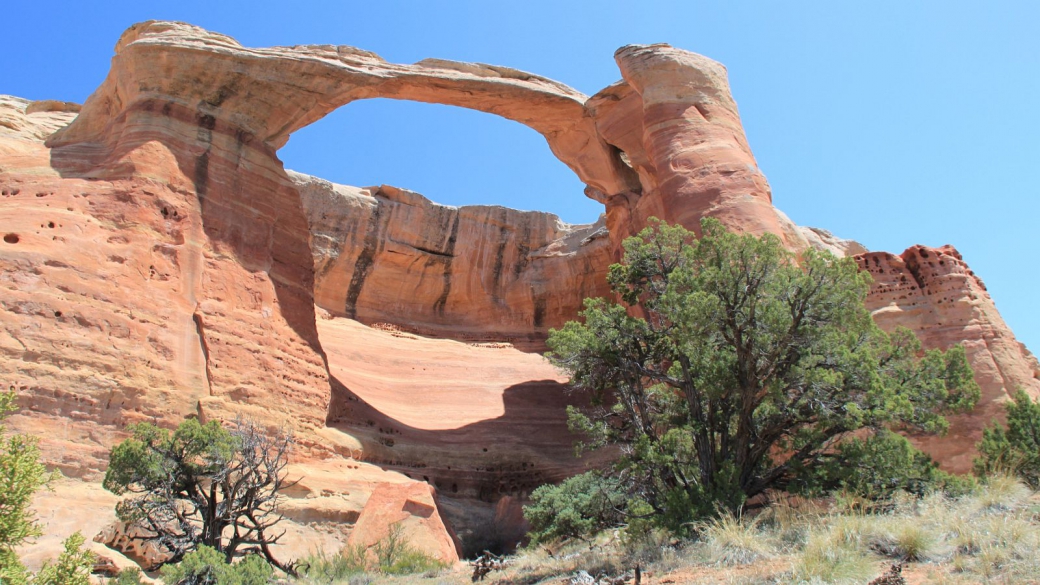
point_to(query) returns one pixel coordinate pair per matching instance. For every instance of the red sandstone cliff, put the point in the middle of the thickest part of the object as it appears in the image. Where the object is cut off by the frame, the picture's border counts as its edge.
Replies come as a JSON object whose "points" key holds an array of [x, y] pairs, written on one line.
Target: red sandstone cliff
{"points": [[158, 262]]}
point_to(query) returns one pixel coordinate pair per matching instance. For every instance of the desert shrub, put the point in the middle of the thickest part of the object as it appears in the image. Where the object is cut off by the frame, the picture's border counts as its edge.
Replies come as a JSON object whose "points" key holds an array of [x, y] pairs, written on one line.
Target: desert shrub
{"points": [[21, 475], [72, 567], [1001, 493], [395, 556], [877, 467], [207, 566], [906, 538], [320, 567], [830, 558], [1015, 449], [129, 576], [577, 508]]}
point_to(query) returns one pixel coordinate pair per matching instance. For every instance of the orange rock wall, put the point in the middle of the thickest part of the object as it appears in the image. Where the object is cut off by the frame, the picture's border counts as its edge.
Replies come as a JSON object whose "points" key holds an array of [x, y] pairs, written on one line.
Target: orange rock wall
{"points": [[386, 255]]}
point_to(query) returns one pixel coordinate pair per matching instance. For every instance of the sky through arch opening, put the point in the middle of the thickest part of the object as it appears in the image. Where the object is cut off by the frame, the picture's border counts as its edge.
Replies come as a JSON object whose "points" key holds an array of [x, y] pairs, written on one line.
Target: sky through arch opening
{"points": [[451, 155]]}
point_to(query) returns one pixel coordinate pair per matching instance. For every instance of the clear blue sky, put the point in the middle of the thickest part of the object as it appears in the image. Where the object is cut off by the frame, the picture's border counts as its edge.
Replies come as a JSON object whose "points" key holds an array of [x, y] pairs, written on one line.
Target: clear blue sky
{"points": [[893, 123]]}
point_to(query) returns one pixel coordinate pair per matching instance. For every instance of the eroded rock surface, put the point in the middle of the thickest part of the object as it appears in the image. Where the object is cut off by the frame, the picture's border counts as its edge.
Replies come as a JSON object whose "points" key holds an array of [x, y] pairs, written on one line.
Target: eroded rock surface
{"points": [[387, 255]]}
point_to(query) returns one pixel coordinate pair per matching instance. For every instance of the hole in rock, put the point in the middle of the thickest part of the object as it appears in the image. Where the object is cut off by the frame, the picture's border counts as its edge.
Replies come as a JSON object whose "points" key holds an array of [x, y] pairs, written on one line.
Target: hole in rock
{"points": [[12, 238], [50, 224], [451, 155]]}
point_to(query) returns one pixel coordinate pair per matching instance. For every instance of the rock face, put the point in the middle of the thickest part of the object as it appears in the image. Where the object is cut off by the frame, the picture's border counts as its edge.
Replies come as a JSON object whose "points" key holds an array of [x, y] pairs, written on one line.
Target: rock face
{"points": [[933, 292], [158, 262], [387, 255], [405, 511]]}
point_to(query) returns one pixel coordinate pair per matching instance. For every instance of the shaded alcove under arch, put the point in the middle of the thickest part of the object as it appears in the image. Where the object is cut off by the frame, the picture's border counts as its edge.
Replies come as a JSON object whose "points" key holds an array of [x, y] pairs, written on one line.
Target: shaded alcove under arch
{"points": [[452, 155]]}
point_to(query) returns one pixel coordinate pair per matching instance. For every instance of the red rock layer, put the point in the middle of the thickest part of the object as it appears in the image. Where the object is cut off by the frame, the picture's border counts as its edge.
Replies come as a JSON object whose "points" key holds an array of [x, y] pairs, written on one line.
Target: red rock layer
{"points": [[933, 292]]}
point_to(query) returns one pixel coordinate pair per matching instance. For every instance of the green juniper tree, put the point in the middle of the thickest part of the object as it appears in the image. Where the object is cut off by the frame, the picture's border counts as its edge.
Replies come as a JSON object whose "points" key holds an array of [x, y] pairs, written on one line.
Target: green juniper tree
{"points": [[730, 367]]}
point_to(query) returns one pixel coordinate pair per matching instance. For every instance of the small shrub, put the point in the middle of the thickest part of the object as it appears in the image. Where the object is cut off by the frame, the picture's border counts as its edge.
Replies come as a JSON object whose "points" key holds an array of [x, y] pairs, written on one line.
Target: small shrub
{"points": [[1001, 493], [21, 475], [320, 567], [1015, 449], [908, 539], [206, 566], [72, 567], [577, 508], [410, 562], [131, 576], [396, 557]]}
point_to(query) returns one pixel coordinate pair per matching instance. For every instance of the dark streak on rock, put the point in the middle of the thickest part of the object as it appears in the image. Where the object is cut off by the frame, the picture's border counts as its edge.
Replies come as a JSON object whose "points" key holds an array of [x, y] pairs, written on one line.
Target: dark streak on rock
{"points": [[523, 247], [449, 253], [913, 266], [204, 134], [539, 310], [364, 262], [496, 270], [200, 331]]}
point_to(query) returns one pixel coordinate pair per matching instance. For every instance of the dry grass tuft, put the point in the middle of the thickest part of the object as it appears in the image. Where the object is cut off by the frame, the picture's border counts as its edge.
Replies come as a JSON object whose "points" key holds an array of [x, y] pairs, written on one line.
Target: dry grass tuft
{"points": [[732, 540]]}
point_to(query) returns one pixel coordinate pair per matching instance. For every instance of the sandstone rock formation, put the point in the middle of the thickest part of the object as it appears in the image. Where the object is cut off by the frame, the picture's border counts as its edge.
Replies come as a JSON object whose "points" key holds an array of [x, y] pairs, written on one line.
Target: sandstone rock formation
{"points": [[934, 293], [387, 255], [158, 262], [407, 512]]}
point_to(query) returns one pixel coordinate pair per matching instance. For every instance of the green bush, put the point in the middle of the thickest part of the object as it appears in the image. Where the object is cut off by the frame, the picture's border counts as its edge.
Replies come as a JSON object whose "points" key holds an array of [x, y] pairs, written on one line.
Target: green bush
{"points": [[206, 566], [879, 466], [1015, 450], [580, 506], [130, 576], [21, 475], [73, 566]]}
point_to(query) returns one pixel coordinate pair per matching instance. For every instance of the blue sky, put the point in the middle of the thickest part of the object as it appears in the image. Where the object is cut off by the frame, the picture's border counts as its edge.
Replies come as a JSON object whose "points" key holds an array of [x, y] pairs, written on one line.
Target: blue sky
{"points": [[893, 123]]}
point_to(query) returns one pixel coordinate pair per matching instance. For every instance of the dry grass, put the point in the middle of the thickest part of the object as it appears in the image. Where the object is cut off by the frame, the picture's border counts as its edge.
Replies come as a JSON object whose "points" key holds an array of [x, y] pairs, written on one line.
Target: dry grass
{"points": [[732, 540], [991, 536]]}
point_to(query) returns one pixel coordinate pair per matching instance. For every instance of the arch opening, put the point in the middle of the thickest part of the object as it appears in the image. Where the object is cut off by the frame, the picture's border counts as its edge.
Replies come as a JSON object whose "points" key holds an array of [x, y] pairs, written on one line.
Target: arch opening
{"points": [[451, 155]]}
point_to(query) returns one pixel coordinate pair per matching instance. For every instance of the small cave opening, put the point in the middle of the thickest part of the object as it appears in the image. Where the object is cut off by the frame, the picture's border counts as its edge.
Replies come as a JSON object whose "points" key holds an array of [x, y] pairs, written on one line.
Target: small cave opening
{"points": [[12, 238]]}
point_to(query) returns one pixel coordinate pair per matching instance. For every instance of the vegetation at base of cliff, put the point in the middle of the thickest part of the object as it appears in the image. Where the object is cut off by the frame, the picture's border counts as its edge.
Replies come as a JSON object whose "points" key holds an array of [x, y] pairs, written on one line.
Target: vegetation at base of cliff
{"points": [[1015, 447], [203, 485], [579, 506], [732, 368], [392, 555], [22, 475], [207, 566], [988, 534]]}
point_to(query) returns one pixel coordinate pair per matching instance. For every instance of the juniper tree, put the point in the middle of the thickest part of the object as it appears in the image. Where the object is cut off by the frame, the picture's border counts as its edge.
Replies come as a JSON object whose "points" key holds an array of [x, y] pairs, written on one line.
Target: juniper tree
{"points": [[203, 484], [730, 367]]}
